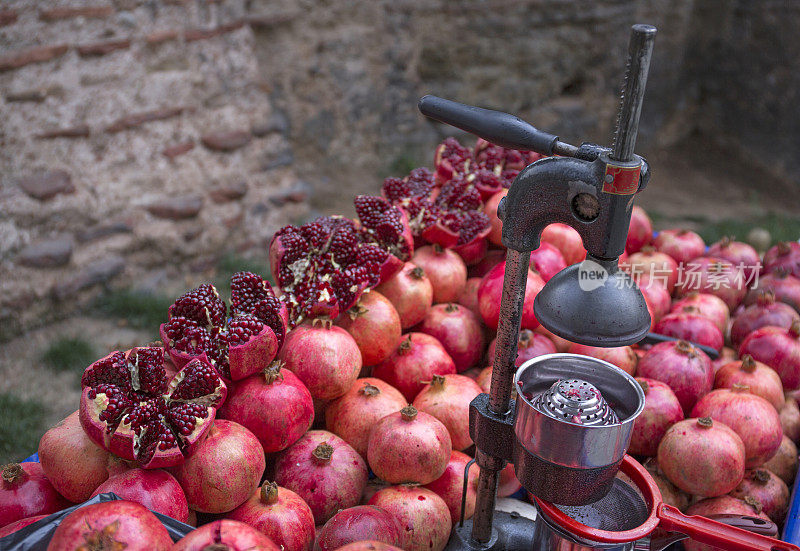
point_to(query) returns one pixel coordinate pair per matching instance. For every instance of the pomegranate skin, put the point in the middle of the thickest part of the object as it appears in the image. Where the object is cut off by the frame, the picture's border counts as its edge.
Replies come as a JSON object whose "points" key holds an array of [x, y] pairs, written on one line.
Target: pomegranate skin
{"points": [[484, 379], [275, 406], [445, 270], [417, 358], [661, 410], [375, 326], [567, 240], [770, 491], [640, 230], [658, 267], [450, 486], [224, 470], [622, 356], [509, 484], [707, 305], [764, 312], [422, 515], [493, 258], [784, 462], [786, 288], [655, 295], [762, 380], [790, 418], [751, 417], [281, 515], [784, 255], [325, 471], [26, 492], [692, 327], [562, 344], [495, 236], [681, 245], [529, 345], [154, 488], [721, 505], [409, 429], [447, 398], [469, 298], [19, 525], [490, 293], [118, 524], [460, 332], [325, 358], [669, 492], [779, 348], [411, 293], [369, 545], [685, 368], [702, 457], [353, 415], [357, 523], [715, 276], [547, 260], [738, 254], [225, 534]]}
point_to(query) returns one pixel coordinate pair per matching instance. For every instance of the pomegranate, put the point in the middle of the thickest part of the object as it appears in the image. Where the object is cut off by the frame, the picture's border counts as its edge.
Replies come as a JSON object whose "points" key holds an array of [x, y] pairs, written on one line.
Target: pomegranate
{"points": [[411, 293], [131, 408], [9, 529], [784, 462], [493, 258], [198, 327], [715, 276], [505, 162], [640, 230], [509, 484], [325, 358], [490, 293], [392, 437], [323, 266], [779, 348], [682, 245], [785, 255], [417, 359], [358, 524], [374, 486], [726, 356], [690, 325], [469, 298], [770, 491], [111, 525], [325, 471], [529, 345], [224, 470], [547, 260], [622, 356], [155, 489], [790, 419], [764, 312], [450, 486], [669, 492], [459, 330], [751, 417], [484, 379], [423, 516], [274, 405], [686, 369], [786, 288], [739, 254], [445, 270], [495, 236], [225, 535], [369, 545], [661, 410], [562, 344], [447, 398], [656, 296], [762, 380], [727, 505], [375, 326], [353, 415], [707, 305], [279, 514], [25, 492], [567, 240], [702, 457], [657, 266]]}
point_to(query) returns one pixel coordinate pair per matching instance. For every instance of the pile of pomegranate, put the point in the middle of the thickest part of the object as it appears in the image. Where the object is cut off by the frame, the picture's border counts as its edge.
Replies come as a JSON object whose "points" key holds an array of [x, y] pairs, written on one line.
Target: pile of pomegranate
{"points": [[282, 416]]}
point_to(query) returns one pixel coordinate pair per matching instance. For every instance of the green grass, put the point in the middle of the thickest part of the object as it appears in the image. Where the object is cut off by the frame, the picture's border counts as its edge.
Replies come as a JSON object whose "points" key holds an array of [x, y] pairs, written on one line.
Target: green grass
{"points": [[230, 263], [140, 310], [21, 426], [780, 226], [69, 354]]}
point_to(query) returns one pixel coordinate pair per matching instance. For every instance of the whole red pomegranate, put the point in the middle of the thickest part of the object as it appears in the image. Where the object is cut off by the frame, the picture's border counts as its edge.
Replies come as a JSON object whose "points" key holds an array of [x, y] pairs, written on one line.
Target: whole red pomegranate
{"points": [[450, 486], [656, 295], [417, 359], [722, 505], [445, 270], [657, 266], [691, 326], [669, 492], [738, 254], [708, 305], [785, 286], [459, 330], [726, 356], [784, 462], [279, 514], [225, 535], [224, 470], [702, 457], [369, 545], [325, 471], [357, 524], [508, 484], [447, 398], [422, 515], [686, 369], [567, 240], [493, 258], [562, 344], [621, 356], [547, 260], [111, 525], [490, 293], [681, 244], [411, 293], [766, 311], [785, 255], [640, 230], [469, 298], [709, 274], [790, 418], [751, 417], [155, 489], [779, 348], [484, 379], [9, 529], [770, 491], [529, 345], [495, 236], [375, 325], [25, 492], [130, 407], [325, 358], [661, 410], [353, 415], [762, 380]]}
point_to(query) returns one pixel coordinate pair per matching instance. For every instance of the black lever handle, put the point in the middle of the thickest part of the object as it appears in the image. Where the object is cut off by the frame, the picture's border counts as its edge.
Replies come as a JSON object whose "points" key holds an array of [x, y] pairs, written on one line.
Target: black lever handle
{"points": [[497, 127]]}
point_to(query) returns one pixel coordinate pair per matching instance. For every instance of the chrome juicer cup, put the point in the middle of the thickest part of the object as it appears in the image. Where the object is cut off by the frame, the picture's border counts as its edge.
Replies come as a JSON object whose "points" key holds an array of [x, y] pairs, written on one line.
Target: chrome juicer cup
{"points": [[573, 424]]}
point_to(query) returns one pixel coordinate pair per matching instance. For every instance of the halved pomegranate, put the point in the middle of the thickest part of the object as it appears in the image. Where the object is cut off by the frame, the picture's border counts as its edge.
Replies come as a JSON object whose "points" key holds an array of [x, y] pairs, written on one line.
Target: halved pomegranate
{"points": [[131, 408]]}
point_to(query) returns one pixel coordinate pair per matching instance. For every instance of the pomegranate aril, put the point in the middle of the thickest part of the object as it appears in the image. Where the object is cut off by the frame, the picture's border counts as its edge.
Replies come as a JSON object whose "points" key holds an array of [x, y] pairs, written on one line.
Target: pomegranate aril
{"points": [[111, 370], [202, 305], [247, 290], [198, 379], [148, 374]]}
